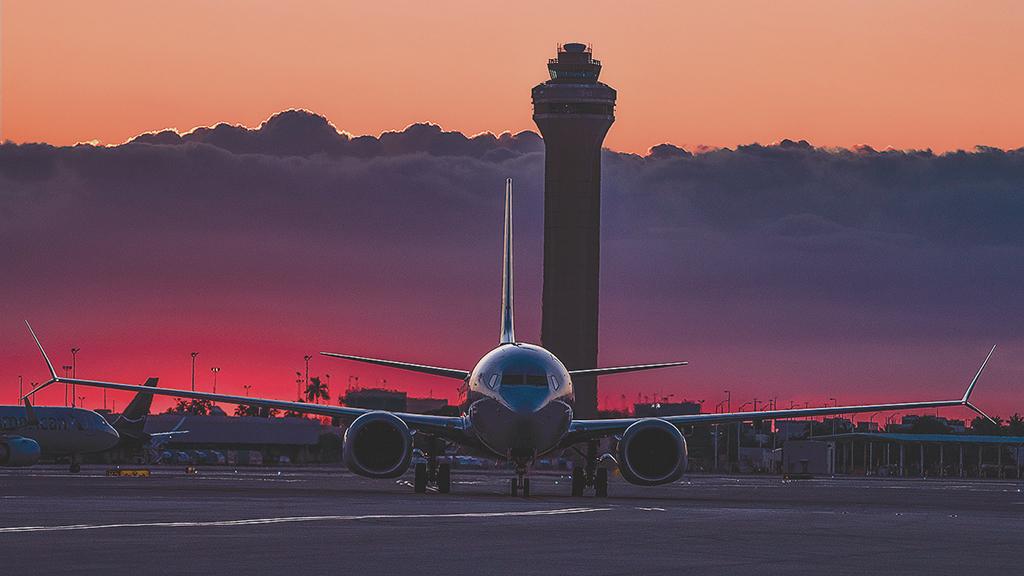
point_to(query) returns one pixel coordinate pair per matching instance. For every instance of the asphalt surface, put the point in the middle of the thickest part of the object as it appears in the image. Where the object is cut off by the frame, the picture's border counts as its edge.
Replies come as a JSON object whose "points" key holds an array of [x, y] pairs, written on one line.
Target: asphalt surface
{"points": [[325, 520]]}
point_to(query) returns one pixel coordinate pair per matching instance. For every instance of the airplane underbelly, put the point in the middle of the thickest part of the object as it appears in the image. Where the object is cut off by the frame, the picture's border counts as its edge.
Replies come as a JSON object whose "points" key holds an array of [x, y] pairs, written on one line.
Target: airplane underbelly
{"points": [[516, 435]]}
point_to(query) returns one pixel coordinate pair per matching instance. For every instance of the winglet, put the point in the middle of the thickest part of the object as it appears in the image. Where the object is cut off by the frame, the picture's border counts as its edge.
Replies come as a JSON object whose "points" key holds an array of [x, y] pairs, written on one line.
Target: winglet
{"points": [[49, 365], [970, 389], [978, 410], [508, 335]]}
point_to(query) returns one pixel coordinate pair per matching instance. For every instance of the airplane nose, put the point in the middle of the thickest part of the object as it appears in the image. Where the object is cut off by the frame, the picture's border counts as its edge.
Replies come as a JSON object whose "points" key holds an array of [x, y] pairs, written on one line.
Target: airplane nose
{"points": [[525, 399]]}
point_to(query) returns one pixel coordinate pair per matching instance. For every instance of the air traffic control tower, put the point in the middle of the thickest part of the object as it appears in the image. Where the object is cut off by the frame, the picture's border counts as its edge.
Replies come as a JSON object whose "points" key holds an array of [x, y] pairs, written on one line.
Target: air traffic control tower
{"points": [[573, 111]]}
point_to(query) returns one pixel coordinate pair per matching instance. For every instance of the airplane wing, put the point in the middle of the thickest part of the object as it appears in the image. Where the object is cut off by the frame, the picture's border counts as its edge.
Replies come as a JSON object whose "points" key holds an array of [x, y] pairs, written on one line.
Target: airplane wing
{"points": [[621, 369], [581, 430], [451, 427], [434, 370]]}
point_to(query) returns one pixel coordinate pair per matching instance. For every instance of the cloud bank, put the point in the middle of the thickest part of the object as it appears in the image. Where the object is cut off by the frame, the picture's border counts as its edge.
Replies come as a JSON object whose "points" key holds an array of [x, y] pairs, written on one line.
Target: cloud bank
{"points": [[297, 231]]}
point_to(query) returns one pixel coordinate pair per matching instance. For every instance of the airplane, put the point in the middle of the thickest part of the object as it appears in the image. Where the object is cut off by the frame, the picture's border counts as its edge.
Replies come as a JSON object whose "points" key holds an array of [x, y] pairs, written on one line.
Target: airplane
{"points": [[519, 407], [28, 432]]}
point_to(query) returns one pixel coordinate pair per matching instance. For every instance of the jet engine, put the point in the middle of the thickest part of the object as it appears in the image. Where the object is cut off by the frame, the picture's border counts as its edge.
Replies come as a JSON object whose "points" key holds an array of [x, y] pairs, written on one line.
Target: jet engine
{"points": [[18, 451], [652, 452], [378, 445]]}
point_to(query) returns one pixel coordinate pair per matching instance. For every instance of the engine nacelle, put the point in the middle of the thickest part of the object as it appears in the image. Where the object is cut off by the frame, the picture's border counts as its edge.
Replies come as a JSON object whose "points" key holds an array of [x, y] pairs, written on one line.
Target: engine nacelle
{"points": [[18, 451], [378, 445], [652, 452]]}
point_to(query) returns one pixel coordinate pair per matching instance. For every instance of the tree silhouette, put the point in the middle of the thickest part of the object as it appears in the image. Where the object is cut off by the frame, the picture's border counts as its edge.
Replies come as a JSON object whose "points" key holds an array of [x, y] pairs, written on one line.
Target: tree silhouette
{"points": [[316, 391], [983, 426], [1015, 426], [194, 406]]}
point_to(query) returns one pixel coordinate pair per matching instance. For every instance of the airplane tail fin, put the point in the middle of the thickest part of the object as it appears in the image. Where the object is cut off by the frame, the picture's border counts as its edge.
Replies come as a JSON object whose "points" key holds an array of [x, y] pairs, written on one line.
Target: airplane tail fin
{"points": [[508, 335], [30, 413], [132, 421]]}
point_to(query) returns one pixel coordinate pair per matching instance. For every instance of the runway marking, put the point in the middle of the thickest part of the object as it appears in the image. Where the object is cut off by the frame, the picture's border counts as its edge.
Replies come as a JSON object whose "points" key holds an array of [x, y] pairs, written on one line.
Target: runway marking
{"points": [[650, 509], [291, 519]]}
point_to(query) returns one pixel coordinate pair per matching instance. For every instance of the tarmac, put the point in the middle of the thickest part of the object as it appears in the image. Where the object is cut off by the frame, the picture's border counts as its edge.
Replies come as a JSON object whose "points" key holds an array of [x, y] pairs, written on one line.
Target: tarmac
{"points": [[325, 520]]}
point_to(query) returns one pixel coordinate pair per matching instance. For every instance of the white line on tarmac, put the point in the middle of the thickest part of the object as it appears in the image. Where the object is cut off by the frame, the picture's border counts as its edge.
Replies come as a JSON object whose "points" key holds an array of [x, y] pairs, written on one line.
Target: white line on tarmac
{"points": [[289, 519]]}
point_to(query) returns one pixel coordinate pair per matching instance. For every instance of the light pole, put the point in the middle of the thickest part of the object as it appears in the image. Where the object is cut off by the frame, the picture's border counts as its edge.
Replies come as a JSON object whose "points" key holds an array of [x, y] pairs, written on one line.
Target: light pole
{"points": [[247, 388], [74, 372], [306, 358], [81, 400], [834, 403], [215, 370], [21, 392], [728, 440], [194, 354], [66, 369]]}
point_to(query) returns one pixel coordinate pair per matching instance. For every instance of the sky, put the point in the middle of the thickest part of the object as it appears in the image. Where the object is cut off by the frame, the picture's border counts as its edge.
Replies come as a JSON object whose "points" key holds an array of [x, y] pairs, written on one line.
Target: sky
{"points": [[351, 201], [886, 73]]}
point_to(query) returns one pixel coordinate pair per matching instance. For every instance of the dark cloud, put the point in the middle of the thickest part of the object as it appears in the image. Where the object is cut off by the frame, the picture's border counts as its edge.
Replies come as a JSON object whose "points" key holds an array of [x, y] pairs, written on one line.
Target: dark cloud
{"points": [[302, 133], [296, 222]]}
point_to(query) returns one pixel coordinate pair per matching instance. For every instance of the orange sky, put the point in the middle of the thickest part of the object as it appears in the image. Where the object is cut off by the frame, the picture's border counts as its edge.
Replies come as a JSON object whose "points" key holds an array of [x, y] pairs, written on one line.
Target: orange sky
{"points": [[885, 73]]}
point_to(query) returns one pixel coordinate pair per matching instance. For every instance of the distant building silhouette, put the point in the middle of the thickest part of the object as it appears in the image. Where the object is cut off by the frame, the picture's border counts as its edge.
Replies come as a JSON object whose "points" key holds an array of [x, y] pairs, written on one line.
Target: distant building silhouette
{"points": [[377, 399], [573, 112]]}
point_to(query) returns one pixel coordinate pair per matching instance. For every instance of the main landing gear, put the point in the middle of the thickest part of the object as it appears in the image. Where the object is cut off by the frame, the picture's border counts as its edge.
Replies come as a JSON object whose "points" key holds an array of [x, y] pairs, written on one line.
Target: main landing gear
{"points": [[76, 464], [432, 471], [589, 475], [521, 483], [440, 474]]}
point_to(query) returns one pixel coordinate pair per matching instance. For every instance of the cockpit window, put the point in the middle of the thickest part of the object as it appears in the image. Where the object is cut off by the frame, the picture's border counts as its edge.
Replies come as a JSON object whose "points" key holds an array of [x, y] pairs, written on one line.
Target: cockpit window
{"points": [[536, 380], [513, 379]]}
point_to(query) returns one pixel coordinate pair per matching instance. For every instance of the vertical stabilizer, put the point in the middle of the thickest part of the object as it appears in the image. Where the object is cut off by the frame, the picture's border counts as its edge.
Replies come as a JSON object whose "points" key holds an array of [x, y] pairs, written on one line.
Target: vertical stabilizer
{"points": [[508, 335], [132, 421]]}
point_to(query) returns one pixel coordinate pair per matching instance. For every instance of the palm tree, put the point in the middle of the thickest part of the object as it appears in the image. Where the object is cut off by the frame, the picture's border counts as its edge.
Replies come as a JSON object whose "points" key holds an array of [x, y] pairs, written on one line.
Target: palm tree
{"points": [[317, 390]]}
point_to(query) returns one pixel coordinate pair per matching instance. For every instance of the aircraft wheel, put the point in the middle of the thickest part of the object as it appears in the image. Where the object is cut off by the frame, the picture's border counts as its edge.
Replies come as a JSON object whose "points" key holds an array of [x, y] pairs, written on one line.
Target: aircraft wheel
{"points": [[578, 481], [601, 483], [526, 487], [419, 484], [444, 478], [514, 487]]}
